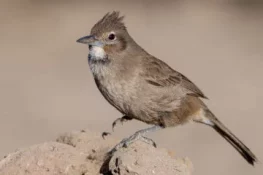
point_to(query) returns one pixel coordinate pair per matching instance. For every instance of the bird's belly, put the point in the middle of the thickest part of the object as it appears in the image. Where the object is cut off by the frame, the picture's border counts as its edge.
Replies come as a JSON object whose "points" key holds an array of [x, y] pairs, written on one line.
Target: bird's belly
{"points": [[133, 98], [131, 102]]}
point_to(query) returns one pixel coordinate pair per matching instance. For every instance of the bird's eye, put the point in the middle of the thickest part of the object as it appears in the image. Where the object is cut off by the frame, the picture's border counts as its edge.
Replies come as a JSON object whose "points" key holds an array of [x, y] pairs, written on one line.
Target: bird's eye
{"points": [[111, 36]]}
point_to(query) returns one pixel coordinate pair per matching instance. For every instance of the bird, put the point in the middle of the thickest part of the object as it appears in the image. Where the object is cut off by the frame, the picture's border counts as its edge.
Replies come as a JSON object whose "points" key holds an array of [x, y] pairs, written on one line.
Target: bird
{"points": [[145, 88]]}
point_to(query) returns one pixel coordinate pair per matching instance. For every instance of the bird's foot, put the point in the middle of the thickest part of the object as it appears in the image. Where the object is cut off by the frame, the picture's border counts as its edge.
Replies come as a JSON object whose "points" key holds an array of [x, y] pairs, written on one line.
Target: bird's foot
{"points": [[139, 135], [118, 120], [121, 121], [128, 141]]}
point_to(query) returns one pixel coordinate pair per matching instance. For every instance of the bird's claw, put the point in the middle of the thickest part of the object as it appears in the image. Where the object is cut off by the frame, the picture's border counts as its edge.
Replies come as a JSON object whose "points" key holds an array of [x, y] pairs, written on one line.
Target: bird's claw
{"points": [[149, 141], [114, 123], [104, 134], [128, 141], [120, 120]]}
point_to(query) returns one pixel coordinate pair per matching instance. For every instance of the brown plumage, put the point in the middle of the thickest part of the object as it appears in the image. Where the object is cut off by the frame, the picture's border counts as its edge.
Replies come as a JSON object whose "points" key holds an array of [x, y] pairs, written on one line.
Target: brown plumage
{"points": [[111, 21], [145, 88]]}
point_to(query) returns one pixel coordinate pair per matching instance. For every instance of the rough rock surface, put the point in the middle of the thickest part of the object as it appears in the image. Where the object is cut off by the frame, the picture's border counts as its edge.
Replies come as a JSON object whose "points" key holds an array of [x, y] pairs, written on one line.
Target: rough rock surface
{"points": [[85, 153]]}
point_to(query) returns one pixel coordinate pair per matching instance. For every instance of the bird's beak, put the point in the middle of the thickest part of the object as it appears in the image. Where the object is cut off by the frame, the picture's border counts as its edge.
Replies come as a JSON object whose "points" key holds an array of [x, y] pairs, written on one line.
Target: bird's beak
{"points": [[87, 39]]}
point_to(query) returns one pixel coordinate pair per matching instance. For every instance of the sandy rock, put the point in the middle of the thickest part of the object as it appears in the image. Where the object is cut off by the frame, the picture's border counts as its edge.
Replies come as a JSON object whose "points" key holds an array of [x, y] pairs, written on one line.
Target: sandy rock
{"points": [[86, 153], [50, 158], [142, 159]]}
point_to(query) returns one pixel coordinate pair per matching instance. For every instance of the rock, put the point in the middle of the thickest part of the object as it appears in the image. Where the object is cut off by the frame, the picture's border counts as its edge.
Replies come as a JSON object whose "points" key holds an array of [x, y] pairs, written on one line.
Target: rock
{"points": [[142, 159], [86, 153], [50, 158]]}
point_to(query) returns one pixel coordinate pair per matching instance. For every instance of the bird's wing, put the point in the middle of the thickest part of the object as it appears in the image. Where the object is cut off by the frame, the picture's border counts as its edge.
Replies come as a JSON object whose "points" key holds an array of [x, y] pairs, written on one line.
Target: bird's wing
{"points": [[158, 73]]}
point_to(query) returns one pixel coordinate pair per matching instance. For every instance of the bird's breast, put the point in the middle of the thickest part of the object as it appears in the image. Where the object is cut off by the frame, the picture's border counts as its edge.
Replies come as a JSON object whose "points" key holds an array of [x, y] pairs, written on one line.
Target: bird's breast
{"points": [[113, 86]]}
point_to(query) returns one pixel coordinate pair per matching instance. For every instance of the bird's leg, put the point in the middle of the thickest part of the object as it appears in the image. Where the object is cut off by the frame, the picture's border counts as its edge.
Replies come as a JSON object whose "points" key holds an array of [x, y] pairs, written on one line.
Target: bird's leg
{"points": [[121, 120], [136, 136], [125, 118]]}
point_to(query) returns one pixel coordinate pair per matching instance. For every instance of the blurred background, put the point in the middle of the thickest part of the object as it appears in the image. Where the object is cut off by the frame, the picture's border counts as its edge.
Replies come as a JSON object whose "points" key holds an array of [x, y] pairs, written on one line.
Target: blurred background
{"points": [[46, 87]]}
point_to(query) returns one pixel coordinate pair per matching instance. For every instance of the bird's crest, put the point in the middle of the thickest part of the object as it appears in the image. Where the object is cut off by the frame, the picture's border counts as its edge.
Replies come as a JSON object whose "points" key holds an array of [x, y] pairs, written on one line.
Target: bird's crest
{"points": [[110, 21]]}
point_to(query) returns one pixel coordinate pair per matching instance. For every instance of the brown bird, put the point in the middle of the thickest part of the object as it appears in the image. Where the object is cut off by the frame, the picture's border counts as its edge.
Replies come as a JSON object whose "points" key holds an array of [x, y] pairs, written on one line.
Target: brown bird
{"points": [[145, 88]]}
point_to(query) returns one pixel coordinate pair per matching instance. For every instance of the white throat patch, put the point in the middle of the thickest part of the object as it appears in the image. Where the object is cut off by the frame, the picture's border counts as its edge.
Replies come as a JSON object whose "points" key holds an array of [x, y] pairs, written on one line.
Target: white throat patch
{"points": [[97, 52]]}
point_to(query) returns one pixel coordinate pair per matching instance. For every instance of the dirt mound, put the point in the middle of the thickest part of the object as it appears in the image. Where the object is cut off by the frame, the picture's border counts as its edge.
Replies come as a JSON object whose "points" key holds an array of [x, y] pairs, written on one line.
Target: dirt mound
{"points": [[85, 153]]}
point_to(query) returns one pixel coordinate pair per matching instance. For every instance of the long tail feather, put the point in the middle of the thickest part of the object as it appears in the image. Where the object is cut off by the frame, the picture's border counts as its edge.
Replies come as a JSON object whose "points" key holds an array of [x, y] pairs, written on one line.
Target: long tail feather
{"points": [[231, 138]]}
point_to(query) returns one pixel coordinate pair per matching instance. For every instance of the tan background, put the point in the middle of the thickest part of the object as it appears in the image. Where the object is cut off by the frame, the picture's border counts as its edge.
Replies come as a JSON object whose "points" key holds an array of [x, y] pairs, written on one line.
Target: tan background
{"points": [[46, 87]]}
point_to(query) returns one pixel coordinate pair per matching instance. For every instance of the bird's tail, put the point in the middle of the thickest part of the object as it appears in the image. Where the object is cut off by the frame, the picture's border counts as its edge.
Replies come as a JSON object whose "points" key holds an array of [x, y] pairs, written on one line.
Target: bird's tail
{"points": [[230, 137]]}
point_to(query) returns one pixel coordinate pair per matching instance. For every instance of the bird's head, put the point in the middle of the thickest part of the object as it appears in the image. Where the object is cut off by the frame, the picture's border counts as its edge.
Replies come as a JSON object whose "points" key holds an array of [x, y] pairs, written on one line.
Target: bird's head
{"points": [[108, 36]]}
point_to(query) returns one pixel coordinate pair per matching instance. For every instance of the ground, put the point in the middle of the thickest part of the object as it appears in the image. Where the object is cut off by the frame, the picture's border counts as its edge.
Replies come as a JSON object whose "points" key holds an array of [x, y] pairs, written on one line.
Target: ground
{"points": [[86, 153]]}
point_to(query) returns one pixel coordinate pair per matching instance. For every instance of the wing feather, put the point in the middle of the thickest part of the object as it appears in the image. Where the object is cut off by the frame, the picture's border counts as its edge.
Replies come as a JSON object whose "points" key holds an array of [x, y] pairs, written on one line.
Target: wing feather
{"points": [[159, 74]]}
